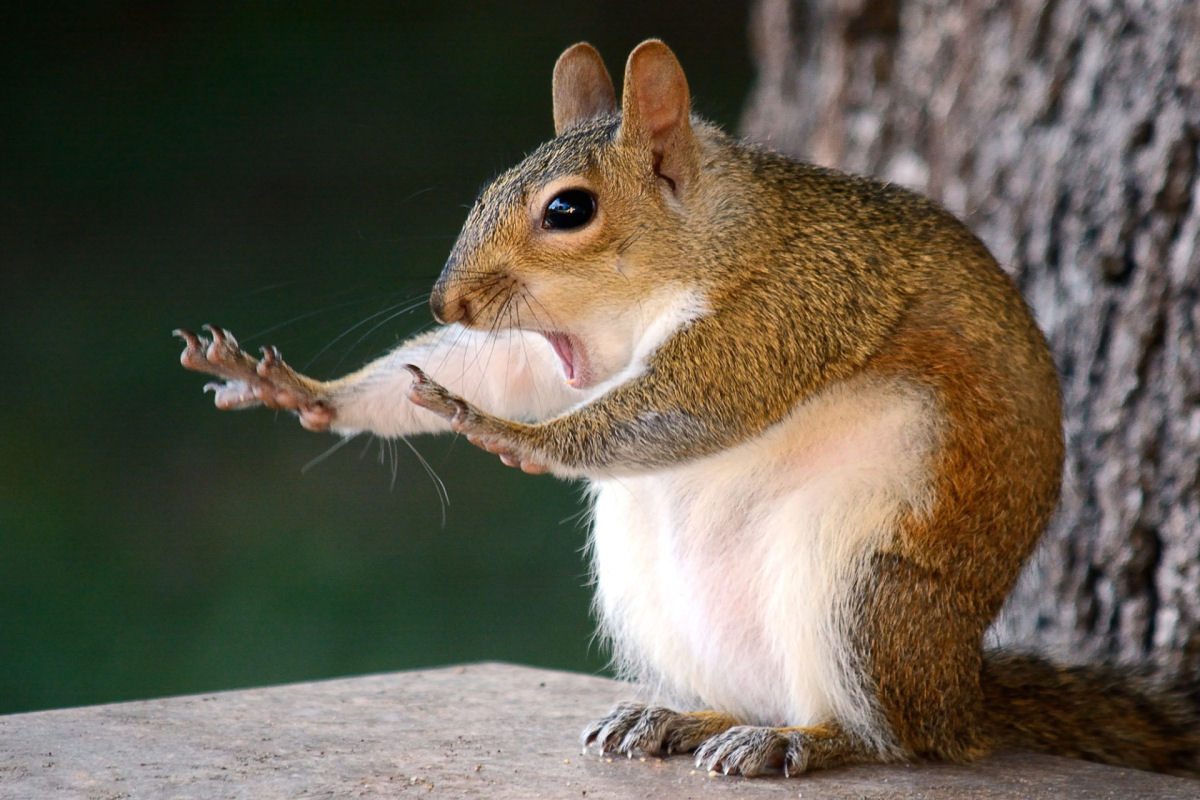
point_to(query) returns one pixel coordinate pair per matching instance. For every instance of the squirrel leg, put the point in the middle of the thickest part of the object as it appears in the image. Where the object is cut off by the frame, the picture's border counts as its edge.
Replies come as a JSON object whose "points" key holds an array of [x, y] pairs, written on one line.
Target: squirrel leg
{"points": [[249, 381], [654, 730], [749, 750]]}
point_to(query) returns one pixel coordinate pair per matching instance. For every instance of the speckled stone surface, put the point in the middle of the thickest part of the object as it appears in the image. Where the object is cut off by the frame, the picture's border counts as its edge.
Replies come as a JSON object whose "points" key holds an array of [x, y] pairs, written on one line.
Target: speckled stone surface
{"points": [[482, 730]]}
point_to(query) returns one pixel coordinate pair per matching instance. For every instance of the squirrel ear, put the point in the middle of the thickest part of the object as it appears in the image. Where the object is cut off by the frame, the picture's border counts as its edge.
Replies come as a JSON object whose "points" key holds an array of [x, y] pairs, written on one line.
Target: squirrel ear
{"points": [[582, 87], [656, 108]]}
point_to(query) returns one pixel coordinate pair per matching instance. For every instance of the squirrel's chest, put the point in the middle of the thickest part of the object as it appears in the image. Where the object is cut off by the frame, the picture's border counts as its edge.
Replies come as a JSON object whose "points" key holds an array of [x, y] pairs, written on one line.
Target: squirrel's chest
{"points": [[723, 582]]}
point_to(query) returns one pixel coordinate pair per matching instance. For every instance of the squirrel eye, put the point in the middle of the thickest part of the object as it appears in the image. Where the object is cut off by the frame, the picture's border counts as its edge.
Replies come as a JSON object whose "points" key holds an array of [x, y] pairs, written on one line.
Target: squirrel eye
{"points": [[568, 210]]}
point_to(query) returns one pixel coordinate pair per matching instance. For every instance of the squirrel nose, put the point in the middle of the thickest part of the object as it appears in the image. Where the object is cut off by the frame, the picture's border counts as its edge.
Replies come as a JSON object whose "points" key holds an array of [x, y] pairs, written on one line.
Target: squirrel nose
{"points": [[449, 310]]}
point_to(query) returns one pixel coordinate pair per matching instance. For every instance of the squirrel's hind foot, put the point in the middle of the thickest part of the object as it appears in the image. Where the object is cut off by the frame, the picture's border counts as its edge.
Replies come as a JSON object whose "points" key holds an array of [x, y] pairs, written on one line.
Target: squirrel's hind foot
{"points": [[654, 730], [750, 750]]}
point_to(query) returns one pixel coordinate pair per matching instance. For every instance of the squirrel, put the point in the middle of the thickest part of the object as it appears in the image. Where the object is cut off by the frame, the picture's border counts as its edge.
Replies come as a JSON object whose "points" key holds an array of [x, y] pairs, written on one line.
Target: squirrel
{"points": [[820, 426]]}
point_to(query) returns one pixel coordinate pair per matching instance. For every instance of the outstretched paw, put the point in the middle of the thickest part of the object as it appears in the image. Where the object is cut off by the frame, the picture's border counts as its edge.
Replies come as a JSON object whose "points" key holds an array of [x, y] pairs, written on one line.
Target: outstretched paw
{"points": [[653, 730], [431, 395], [249, 382], [749, 750], [481, 429]]}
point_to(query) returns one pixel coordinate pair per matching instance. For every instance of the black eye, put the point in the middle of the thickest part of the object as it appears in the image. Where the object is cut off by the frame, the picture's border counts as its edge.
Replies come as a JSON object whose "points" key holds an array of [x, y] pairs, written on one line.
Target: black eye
{"points": [[568, 210]]}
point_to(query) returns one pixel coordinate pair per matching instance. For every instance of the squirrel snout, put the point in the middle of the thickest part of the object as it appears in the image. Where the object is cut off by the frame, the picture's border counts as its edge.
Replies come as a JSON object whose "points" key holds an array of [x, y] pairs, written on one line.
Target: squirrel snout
{"points": [[449, 310]]}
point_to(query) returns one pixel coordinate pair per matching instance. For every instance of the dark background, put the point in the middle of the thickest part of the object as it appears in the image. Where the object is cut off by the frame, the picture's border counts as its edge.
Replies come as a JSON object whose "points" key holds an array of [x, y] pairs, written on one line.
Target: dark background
{"points": [[286, 170]]}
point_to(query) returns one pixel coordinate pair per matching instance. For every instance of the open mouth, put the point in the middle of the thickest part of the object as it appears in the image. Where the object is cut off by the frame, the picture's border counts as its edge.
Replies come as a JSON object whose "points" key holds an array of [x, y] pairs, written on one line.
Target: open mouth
{"points": [[570, 354]]}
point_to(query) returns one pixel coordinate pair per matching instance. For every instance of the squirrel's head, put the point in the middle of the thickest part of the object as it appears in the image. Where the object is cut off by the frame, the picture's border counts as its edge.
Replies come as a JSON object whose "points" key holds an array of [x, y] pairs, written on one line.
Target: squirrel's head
{"points": [[584, 240]]}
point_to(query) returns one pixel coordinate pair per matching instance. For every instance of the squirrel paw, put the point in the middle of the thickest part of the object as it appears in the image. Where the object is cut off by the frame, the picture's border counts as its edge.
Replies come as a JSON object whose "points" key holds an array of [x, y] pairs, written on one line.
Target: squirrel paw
{"points": [[481, 429], [249, 381], [749, 750], [654, 730]]}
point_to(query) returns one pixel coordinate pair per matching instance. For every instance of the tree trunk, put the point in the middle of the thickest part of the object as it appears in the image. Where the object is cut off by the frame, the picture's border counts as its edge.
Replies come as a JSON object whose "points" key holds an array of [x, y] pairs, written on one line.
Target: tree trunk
{"points": [[1066, 134]]}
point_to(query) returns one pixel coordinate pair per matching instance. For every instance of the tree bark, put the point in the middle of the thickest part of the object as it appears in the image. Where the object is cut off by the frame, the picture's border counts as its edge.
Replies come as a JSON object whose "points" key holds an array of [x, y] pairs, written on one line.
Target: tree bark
{"points": [[1067, 135]]}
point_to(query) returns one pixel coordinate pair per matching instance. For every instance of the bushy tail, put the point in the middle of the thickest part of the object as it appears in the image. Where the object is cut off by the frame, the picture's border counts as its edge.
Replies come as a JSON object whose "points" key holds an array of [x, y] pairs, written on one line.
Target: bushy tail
{"points": [[1103, 714]]}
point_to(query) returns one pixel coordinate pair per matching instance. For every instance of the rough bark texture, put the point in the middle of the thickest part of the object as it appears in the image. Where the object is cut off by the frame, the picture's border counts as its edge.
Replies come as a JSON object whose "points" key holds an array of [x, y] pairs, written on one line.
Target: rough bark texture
{"points": [[1067, 135]]}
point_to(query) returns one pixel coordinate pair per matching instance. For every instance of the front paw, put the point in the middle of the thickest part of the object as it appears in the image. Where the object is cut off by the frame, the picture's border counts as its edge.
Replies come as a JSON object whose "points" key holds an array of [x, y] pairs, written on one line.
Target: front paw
{"points": [[432, 396], [481, 429], [223, 358], [248, 381]]}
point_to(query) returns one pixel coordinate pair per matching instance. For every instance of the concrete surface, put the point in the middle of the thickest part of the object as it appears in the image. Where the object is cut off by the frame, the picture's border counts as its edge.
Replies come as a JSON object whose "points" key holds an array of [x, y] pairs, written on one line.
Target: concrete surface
{"points": [[483, 730]]}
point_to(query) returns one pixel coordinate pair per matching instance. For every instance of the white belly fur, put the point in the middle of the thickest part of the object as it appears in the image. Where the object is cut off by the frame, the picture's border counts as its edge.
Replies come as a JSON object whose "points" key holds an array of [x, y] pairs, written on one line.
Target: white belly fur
{"points": [[720, 583]]}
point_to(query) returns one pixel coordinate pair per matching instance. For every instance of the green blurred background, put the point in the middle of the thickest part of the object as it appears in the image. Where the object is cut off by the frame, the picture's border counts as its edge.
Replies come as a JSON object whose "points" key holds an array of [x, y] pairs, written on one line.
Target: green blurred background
{"points": [[285, 170]]}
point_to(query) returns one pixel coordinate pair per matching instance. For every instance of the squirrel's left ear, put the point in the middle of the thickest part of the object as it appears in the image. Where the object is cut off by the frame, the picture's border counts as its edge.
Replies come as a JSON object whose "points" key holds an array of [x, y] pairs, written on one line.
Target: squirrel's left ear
{"points": [[582, 87], [656, 110]]}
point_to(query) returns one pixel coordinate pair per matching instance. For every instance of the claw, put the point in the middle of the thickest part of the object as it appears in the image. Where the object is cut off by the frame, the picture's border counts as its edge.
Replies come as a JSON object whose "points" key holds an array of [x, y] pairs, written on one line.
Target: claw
{"points": [[653, 730], [219, 334], [192, 356], [750, 750], [190, 338]]}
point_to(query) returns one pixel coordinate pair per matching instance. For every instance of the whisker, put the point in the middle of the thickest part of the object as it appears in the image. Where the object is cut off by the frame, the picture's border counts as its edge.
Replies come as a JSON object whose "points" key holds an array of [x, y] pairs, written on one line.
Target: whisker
{"points": [[500, 294], [494, 339], [438, 484], [306, 315], [391, 316], [418, 193], [528, 301], [491, 336], [628, 242], [403, 307], [552, 323], [269, 288], [345, 440]]}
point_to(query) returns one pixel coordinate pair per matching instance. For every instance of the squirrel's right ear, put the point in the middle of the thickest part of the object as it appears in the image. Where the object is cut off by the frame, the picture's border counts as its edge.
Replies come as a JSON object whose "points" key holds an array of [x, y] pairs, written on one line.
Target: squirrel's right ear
{"points": [[656, 109], [583, 89]]}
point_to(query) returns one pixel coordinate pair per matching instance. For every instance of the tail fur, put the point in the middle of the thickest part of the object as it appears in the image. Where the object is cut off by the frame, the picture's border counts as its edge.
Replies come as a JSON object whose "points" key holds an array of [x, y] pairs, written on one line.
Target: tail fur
{"points": [[1114, 716]]}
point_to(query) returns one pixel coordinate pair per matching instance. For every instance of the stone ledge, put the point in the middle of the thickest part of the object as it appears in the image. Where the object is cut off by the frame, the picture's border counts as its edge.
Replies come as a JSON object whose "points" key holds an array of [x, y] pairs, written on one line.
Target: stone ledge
{"points": [[482, 730]]}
